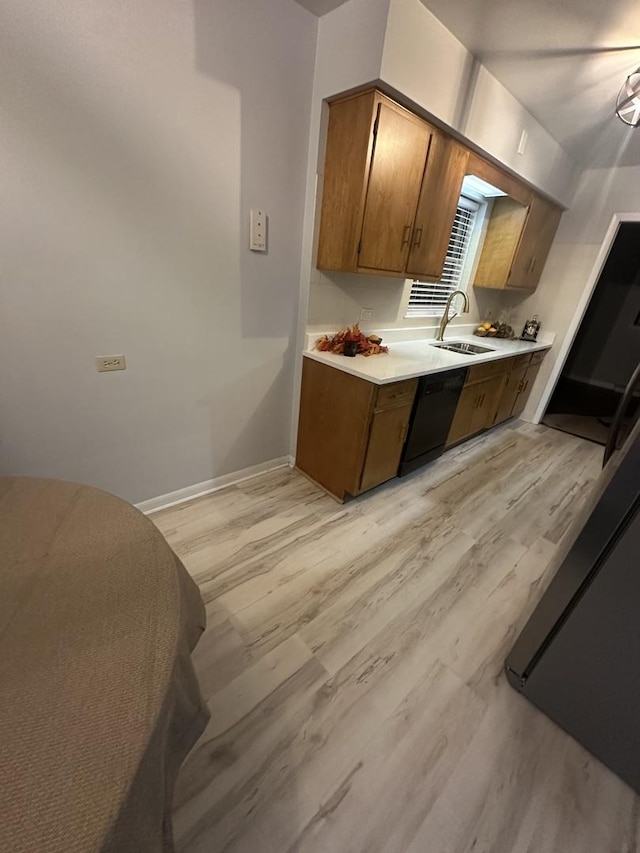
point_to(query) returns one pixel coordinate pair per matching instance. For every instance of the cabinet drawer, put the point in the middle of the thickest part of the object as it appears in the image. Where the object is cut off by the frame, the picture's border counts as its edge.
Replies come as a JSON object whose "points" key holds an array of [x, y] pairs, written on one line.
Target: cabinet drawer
{"points": [[488, 370], [520, 361], [396, 394], [537, 358]]}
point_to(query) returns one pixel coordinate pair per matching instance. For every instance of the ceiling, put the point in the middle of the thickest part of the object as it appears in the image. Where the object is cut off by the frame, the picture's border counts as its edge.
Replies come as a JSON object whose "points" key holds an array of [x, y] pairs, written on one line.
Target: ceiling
{"points": [[564, 60]]}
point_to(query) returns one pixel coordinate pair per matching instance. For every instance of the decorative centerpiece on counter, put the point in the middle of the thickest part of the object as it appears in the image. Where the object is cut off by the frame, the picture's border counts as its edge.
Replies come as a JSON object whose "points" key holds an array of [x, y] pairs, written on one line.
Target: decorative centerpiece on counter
{"points": [[495, 330], [351, 342], [531, 329]]}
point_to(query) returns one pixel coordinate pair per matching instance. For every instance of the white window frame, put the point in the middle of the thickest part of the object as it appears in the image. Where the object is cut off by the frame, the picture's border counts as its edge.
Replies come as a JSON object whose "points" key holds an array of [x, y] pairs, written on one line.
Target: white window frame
{"points": [[459, 274]]}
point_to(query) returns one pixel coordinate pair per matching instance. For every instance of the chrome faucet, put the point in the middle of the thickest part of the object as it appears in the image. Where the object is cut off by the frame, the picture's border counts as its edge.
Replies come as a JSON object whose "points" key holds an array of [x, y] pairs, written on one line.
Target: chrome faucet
{"points": [[445, 317]]}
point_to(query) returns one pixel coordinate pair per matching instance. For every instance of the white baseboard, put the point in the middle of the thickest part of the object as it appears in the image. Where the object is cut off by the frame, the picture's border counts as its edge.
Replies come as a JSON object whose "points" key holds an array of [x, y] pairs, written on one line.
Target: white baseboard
{"points": [[209, 486]]}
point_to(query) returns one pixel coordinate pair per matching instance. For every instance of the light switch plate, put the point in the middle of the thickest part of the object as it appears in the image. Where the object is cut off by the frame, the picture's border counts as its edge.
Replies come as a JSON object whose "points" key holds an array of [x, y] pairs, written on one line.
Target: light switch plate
{"points": [[105, 363], [258, 230]]}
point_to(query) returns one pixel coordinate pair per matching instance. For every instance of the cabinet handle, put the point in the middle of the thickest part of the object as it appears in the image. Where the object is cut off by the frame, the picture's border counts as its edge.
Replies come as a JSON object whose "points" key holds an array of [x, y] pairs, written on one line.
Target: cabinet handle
{"points": [[403, 432], [417, 237], [482, 401], [520, 388], [406, 234]]}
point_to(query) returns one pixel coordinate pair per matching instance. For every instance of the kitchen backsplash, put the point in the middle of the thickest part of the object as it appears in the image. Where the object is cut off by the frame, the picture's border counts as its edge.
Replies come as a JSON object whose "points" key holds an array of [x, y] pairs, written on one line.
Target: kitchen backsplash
{"points": [[337, 299]]}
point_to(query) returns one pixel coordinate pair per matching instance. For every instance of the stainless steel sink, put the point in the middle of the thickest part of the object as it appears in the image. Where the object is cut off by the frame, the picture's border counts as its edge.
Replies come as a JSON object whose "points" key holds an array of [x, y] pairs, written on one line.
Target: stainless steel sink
{"points": [[462, 347]]}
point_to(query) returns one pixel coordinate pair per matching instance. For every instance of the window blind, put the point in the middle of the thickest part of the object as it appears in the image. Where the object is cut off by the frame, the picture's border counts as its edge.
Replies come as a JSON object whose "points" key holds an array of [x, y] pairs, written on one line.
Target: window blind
{"points": [[429, 298]]}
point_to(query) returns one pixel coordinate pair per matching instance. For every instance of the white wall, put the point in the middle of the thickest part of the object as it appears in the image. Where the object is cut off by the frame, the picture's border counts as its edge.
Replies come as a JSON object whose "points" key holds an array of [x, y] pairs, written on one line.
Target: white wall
{"points": [[425, 62], [135, 136], [350, 46], [601, 194]]}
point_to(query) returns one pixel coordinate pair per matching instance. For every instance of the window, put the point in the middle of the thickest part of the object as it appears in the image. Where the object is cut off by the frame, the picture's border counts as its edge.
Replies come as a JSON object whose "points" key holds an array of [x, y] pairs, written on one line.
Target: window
{"points": [[428, 299]]}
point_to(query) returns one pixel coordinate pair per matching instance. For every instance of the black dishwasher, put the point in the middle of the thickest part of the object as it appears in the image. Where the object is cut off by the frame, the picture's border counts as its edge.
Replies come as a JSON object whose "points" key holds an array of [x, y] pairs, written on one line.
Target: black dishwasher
{"points": [[433, 411]]}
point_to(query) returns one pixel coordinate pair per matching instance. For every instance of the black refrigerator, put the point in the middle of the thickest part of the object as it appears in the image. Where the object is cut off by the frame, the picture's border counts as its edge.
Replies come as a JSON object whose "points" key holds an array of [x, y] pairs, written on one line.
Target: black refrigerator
{"points": [[578, 657]]}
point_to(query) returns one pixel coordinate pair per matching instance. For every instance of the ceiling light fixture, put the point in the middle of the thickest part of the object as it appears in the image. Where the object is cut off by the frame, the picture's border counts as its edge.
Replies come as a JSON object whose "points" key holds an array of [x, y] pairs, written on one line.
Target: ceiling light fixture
{"points": [[628, 103]]}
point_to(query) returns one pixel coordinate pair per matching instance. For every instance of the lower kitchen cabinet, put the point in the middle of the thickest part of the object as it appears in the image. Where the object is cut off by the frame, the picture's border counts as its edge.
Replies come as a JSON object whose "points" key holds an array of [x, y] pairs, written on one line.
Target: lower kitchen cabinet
{"points": [[493, 393], [387, 433], [513, 386], [351, 432], [524, 389], [511, 392], [475, 410], [478, 401]]}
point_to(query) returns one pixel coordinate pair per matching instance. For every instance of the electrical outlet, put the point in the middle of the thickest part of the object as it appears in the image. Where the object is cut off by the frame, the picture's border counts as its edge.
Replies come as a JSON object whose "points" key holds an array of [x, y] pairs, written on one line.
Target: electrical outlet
{"points": [[366, 314], [110, 362]]}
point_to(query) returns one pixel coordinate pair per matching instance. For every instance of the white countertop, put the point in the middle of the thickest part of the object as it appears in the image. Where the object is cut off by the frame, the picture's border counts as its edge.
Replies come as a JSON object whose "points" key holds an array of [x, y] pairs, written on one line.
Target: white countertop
{"points": [[409, 359]]}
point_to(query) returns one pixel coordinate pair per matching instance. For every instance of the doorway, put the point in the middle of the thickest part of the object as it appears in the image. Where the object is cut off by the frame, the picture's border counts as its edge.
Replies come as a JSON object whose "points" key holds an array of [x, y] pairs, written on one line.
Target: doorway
{"points": [[605, 349]]}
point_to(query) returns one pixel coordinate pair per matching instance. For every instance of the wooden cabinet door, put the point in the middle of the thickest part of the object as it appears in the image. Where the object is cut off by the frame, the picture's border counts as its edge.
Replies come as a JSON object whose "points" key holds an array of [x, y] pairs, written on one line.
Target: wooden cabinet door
{"points": [[346, 169], [485, 410], [504, 232], [333, 427], [510, 391], [535, 243], [400, 151], [386, 440], [462, 424], [476, 409], [446, 168], [525, 390]]}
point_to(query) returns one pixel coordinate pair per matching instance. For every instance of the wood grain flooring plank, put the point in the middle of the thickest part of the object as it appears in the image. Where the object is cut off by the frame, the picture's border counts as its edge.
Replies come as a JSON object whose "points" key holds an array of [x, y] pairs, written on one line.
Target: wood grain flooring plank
{"points": [[344, 630], [248, 689], [402, 771], [305, 548], [221, 652], [492, 624], [503, 787], [228, 777], [379, 566]]}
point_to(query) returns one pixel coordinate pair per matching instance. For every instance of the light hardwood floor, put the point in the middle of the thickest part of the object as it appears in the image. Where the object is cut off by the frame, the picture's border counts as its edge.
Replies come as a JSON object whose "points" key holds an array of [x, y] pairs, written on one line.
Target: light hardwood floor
{"points": [[353, 664]]}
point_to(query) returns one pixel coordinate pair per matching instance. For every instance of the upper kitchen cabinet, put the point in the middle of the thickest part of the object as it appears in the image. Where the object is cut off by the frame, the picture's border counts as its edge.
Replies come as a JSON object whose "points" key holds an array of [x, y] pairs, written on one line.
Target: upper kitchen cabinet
{"points": [[519, 232], [391, 187], [437, 206], [540, 228]]}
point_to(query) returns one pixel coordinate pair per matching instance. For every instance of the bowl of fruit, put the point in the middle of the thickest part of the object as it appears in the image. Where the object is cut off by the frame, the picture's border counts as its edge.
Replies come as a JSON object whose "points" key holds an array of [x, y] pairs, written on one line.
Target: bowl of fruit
{"points": [[486, 330], [494, 330]]}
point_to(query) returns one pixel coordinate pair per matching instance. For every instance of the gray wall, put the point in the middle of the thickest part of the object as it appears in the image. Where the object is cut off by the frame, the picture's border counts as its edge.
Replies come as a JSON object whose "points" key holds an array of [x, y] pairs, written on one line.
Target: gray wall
{"points": [[134, 139]]}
